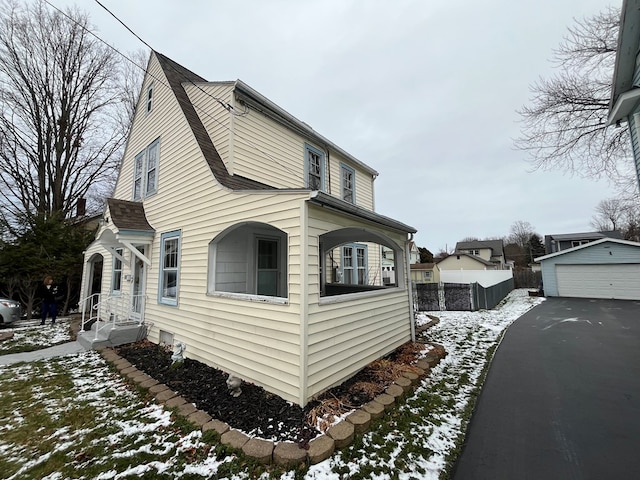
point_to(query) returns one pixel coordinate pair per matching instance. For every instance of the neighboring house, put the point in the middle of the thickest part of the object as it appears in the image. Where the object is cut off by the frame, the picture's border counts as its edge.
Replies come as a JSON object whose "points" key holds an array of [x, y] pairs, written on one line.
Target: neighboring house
{"points": [[241, 232], [624, 106], [563, 241], [491, 251], [388, 262], [425, 273], [604, 268], [465, 261]]}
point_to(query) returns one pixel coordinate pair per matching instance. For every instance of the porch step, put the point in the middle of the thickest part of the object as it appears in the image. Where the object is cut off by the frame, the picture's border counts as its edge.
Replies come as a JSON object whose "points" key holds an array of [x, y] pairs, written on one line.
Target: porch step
{"points": [[112, 335]]}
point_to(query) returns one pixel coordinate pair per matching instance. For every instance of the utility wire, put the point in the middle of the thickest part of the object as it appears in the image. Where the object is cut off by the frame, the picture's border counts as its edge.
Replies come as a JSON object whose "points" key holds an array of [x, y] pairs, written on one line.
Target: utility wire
{"points": [[247, 142]]}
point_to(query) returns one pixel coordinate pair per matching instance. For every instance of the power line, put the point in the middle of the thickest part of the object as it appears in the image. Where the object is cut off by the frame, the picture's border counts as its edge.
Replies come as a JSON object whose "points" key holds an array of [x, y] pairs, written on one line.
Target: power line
{"points": [[227, 107]]}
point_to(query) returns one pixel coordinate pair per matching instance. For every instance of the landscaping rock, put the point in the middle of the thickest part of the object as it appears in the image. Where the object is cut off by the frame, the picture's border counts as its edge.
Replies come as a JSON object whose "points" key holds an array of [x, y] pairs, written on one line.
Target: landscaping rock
{"points": [[404, 383], [175, 402], [260, 450], [149, 383], [414, 378], [199, 418], [342, 433], [289, 454], [158, 388], [121, 364], [375, 409], [395, 391], [186, 409], [320, 448], [141, 378], [165, 395], [385, 400], [360, 420], [234, 438], [423, 364], [217, 425]]}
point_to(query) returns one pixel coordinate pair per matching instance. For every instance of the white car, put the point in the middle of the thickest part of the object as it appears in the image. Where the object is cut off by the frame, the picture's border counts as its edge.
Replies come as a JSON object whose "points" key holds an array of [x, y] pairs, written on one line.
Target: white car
{"points": [[9, 311]]}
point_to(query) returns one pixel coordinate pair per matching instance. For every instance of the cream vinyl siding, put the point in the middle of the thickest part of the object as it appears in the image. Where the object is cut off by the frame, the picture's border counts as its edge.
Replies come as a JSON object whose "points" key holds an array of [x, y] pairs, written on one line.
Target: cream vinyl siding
{"points": [[350, 331], [463, 263], [258, 342], [345, 337], [216, 119], [268, 152]]}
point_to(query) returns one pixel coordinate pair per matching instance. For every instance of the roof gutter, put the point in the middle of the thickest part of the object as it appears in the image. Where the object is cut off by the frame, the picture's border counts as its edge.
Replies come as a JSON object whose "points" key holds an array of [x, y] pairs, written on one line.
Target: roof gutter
{"points": [[324, 200], [261, 103]]}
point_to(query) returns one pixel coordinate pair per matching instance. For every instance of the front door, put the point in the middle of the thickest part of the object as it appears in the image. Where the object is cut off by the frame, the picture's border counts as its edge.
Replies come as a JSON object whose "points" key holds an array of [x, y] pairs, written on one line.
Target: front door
{"points": [[137, 289]]}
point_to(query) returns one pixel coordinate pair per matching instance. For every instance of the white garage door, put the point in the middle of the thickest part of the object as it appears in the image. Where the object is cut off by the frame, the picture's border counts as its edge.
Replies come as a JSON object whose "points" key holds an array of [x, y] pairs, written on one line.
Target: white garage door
{"points": [[599, 281]]}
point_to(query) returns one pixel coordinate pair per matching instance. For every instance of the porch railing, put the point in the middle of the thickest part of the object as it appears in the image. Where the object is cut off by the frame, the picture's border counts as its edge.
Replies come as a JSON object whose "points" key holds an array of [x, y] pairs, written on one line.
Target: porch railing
{"points": [[111, 310]]}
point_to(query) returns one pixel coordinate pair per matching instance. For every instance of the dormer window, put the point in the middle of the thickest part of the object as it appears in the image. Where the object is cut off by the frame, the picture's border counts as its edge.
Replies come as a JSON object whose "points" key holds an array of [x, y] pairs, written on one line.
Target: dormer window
{"points": [[314, 168], [149, 98]]}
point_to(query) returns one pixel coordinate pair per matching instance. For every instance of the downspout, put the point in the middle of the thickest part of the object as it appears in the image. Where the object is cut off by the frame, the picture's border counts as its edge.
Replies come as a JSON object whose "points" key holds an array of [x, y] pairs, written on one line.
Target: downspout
{"points": [[407, 256]]}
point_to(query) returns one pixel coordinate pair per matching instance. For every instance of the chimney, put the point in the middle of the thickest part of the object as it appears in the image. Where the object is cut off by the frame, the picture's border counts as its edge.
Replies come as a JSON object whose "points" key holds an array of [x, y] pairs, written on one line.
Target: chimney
{"points": [[81, 207]]}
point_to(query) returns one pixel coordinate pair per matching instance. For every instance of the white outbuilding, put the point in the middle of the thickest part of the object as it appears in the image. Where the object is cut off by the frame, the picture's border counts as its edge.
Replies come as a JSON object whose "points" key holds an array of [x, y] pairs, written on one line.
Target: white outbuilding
{"points": [[606, 268]]}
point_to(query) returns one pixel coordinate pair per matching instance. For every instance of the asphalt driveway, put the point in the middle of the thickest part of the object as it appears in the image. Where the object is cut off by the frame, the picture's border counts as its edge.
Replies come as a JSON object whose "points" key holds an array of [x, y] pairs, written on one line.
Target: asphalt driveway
{"points": [[562, 397]]}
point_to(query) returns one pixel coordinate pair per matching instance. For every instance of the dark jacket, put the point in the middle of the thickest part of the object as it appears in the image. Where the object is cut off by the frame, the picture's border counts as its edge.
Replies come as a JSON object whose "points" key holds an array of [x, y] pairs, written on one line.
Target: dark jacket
{"points": [[49, 295]]}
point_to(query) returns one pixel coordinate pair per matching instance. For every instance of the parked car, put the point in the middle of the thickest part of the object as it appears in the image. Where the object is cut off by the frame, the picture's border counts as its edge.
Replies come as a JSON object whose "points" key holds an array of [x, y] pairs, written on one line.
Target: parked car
{"points": [[9, 311]]}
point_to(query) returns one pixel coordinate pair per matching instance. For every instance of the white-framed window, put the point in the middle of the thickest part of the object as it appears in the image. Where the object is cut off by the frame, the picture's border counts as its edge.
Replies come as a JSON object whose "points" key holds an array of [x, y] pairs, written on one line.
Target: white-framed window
{"points": [[348, 183], [354, 264], [314, 168], [145, 171], [474, 252], [116, 272], [169, 268], [149, 98]]}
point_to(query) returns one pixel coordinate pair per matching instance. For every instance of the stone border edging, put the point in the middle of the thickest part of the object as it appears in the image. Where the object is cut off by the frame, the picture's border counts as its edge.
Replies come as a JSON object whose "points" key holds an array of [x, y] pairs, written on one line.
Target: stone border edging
{"points": [[286, 453]]}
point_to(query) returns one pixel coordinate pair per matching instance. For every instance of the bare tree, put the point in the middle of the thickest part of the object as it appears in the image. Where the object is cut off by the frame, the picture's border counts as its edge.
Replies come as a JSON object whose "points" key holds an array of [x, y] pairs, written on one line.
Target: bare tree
{"points": [[565, 124], [521, 232], [610, 214], [62, 124]]}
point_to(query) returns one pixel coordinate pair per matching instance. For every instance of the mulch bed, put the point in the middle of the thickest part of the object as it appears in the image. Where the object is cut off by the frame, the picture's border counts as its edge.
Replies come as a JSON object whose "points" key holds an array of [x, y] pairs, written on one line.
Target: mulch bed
{"points": [[256, 411]]}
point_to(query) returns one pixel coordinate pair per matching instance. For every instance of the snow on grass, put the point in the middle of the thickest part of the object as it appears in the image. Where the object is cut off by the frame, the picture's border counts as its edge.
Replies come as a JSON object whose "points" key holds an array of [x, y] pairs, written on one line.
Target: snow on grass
{"points": [[72, 417], [36, 336]]}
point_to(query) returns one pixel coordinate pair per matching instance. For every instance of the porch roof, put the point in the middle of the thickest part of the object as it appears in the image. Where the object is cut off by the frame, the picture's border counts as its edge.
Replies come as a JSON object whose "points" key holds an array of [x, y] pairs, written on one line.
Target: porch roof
{"points": [[324, 200], [127, 215]]}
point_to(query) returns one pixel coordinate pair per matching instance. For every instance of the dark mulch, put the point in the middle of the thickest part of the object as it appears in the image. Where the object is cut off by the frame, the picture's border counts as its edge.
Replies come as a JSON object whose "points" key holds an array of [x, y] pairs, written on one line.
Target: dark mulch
{"points": [[256, 411]]}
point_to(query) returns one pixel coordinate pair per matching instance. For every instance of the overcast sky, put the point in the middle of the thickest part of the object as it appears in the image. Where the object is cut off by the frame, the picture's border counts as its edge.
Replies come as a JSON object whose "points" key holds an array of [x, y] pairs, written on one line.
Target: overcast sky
{"points": [[423, 91]]}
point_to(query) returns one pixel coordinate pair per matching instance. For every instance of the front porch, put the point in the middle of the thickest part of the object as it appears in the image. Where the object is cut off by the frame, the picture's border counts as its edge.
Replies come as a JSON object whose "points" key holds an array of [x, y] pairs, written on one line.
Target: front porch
{"points": [[112, 321]]}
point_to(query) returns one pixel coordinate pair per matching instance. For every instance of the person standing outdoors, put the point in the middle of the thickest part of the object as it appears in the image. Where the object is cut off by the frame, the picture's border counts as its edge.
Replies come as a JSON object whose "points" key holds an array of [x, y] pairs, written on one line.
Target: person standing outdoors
{"points": [[48, 293]]}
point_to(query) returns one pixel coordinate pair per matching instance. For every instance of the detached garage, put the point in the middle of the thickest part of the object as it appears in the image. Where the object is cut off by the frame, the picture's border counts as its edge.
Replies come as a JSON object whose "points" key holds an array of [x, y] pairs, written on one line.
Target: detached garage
{"points": [[605, 268]]}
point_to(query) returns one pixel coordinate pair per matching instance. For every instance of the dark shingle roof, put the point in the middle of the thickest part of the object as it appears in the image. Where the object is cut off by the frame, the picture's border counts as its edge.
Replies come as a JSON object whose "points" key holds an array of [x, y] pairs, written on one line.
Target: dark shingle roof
{"points": [[128, 215], [496, 246], [176, 74]]}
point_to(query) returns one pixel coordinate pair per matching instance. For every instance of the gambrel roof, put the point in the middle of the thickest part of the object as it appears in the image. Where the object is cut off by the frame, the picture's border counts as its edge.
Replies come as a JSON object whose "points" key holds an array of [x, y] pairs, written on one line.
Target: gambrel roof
{"points": [[177, 74]]}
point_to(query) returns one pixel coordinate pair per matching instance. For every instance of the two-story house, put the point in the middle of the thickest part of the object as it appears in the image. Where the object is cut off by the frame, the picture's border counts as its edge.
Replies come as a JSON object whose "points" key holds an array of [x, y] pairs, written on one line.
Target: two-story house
{"points": [[563, 241], [229, 223], [478, 255]]}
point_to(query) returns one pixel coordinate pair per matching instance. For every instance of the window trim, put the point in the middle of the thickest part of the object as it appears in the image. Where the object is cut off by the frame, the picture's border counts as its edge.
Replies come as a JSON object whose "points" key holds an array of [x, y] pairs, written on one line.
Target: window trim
{"points": [[169, 236], [346, 168], [142, 175], [355, 267], [118, 271], [323, 168]]}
